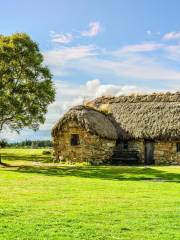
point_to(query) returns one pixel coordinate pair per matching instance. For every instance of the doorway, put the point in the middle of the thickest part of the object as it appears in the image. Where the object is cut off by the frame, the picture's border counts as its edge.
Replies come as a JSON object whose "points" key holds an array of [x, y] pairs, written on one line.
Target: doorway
{"points": [[149, 153]]}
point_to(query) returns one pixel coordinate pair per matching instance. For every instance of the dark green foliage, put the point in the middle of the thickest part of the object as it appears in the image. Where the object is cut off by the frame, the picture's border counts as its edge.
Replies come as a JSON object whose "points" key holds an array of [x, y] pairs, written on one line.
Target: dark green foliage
{"points": [[26, 87], [46, 152], [30, 143], [3, 143]]}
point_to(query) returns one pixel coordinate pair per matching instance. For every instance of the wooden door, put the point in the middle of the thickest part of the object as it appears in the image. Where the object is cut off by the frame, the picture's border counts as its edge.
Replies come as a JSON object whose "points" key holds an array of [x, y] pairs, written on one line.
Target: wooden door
{"points": [[149, 153]]}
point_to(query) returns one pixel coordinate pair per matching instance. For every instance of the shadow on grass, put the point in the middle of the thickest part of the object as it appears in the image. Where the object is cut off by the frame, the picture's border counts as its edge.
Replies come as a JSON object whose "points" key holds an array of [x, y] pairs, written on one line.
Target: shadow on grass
{"points": [[108, 172], [31, 157]]}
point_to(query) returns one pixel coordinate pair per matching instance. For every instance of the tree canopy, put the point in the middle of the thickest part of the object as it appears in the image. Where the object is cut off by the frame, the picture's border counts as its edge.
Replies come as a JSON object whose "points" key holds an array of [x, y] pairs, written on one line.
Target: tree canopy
{"points": [[26, 87]]}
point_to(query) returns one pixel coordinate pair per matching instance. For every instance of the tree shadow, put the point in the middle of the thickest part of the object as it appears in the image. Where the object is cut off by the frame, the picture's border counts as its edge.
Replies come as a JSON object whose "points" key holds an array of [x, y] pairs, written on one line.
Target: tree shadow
{"points": [[107, 173], [31, 157]]}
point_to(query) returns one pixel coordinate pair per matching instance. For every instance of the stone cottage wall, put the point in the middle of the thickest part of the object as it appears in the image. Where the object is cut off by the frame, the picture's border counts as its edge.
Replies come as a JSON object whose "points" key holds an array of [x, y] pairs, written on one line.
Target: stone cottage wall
{"points": [[91, 148], [165, 153]]}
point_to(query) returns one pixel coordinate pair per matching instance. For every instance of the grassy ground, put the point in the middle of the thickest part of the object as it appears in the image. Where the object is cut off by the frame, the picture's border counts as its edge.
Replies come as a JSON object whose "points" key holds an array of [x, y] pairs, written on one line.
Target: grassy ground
{"points": [[84, 202]]}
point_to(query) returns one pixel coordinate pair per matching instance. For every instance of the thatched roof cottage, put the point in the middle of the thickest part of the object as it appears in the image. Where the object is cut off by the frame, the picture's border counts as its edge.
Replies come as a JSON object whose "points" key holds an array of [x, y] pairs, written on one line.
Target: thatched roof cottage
{"points": [[127, 129]]}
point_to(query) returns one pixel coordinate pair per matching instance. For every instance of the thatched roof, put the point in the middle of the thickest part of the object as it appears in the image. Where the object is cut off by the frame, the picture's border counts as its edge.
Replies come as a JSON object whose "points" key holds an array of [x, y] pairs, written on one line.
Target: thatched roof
{"points": [[93, 121], [155, 116], [134, 98]]}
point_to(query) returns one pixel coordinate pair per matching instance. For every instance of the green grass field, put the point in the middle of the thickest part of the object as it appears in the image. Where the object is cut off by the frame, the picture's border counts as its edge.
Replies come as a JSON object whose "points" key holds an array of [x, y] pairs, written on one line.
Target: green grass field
{"points": [[38, 202]]}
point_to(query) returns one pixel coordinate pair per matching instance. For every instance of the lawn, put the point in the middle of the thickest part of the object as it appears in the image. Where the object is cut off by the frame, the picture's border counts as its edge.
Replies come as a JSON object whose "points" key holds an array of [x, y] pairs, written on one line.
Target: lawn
{"points": [[41, 202]]}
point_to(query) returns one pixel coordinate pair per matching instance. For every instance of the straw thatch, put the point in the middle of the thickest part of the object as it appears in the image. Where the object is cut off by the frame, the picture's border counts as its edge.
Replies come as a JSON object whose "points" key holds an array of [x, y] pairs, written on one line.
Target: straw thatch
{"points": [[155, 116], [91, 120], [154, 97]]}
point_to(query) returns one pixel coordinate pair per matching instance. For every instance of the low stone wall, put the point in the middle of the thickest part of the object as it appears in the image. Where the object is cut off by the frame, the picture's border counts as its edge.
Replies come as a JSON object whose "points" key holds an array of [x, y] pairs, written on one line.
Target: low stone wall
{"points": [[91, 148], [165, 152]]}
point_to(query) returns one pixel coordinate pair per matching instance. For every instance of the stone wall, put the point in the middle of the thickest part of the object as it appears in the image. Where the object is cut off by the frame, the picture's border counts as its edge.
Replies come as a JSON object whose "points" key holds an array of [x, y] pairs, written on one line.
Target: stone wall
{"points": [[91, 147], [165, 152]]}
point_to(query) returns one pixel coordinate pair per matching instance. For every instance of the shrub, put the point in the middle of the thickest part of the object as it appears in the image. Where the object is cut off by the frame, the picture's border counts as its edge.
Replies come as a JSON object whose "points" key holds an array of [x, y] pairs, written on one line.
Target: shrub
{"points": [[46, 152]]}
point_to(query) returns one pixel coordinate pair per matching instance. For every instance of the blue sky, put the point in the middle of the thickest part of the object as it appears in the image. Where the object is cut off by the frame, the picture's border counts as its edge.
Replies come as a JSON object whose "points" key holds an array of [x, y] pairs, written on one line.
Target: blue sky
{"points": [[96, 48]]}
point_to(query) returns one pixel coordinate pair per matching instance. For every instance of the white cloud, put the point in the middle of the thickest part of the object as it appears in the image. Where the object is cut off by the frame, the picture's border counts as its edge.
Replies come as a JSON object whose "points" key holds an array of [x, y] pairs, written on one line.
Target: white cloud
{"points": [[130, 61], [58, 56], [64, 38], [151, 33], [144, 47], [133, 67], [96, 89], [60, 37], [172, 36], [173, 52], [94, 29]]}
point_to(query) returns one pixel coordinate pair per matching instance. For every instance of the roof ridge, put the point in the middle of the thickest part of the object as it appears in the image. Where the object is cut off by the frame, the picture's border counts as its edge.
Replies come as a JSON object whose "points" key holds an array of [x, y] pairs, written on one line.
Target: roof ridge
{"points": [[135, 98]]}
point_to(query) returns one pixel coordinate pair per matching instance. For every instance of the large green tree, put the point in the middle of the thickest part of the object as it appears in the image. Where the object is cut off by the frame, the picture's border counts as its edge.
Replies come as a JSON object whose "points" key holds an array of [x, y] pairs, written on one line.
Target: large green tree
{"points": [[26, 87]]}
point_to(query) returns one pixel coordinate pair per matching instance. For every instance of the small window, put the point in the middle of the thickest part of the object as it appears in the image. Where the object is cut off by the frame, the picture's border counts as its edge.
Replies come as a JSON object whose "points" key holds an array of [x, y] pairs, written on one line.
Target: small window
{"points": [[75, 140], [178, 147], [125, 145]]}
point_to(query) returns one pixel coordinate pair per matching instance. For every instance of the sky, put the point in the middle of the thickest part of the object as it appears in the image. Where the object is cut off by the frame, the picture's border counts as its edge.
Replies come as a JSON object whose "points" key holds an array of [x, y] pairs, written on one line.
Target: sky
{"points": [[98, 47]]}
